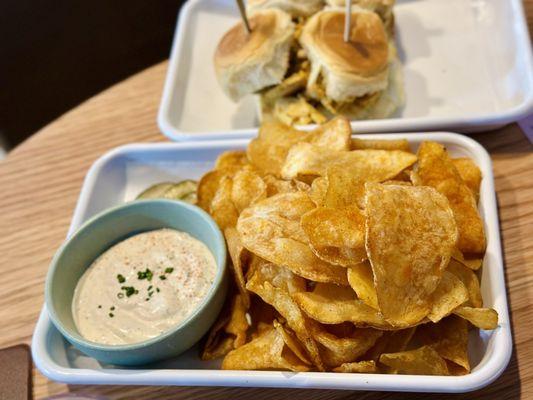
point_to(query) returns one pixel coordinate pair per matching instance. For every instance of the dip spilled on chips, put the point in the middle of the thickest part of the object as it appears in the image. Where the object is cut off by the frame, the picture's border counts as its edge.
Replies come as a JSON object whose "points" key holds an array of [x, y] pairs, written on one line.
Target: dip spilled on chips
{"points": [[348, 255]]}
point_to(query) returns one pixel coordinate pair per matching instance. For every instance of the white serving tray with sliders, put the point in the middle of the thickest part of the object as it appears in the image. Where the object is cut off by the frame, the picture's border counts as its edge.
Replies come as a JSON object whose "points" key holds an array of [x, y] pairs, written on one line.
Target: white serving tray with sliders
{"points": [[120, 175], [467, 67]]}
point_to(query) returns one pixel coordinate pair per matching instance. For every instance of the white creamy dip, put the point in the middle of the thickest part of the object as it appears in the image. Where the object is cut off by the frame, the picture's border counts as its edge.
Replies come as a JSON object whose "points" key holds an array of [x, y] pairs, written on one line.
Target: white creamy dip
{"points": [[142, 287]]}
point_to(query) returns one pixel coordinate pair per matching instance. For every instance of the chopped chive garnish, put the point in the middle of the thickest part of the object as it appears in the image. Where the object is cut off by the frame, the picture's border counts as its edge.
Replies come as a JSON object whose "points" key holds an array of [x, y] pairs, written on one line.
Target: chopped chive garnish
{"points": [[169, 270], [146, 274], [150, 287], [162, 277], [111, 315], [129, 290], [112, 308], [99, 306], [157, 290], [121, 278]]}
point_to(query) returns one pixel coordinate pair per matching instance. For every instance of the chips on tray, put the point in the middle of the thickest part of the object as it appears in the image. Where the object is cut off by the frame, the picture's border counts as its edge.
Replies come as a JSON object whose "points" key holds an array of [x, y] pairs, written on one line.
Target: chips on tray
{"points": [[348, 255]]}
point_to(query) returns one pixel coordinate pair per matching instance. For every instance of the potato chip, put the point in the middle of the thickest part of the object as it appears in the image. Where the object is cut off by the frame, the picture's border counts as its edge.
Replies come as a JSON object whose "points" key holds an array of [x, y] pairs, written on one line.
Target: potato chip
{"points": [[292, 342], [449, 338], [222, 208], [271, 229], [248, 188], [336, 236], [449, 295], [237, 324], [470, 173], [232, 160], [339, 350], [470, 280], [239, 256], [380, 144], [435, 168], [267, 351], [261, 315], [361, 279], [472, 263], [268, 151], [363, 367], [390, 342], [422, 361], [369, 165], [410, 234], [279, 276], [483, 318], [281, 300], [207, 187]]}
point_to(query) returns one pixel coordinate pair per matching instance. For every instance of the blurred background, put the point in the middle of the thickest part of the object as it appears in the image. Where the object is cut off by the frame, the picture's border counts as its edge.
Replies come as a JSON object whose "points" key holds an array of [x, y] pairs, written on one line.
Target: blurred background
{"points": [[56, 54]]}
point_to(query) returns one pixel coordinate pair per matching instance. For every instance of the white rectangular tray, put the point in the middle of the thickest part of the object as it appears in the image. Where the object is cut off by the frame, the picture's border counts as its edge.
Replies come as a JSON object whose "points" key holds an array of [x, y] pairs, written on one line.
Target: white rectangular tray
{"points": [[467, 67], [121, 174]]}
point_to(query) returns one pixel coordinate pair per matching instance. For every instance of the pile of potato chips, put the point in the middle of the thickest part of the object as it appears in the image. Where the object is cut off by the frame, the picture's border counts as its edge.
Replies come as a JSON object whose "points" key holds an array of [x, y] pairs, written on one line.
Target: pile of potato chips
{"points": [[348, 255]]}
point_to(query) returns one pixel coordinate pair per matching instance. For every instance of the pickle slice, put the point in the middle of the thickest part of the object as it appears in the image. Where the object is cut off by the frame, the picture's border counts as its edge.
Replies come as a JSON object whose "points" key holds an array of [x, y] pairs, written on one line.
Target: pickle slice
{"points": [[155, 191]]}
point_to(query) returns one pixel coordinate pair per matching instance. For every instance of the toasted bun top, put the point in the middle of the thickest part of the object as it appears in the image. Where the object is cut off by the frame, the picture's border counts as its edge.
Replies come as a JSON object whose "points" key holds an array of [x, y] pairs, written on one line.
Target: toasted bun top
{"points": [[296, 8], [366, 53], [247, 62]]}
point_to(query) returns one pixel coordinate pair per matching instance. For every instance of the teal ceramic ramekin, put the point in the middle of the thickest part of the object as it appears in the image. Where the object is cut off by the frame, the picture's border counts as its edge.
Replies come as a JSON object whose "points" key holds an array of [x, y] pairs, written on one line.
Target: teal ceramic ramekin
{"points": [[110, 227]]}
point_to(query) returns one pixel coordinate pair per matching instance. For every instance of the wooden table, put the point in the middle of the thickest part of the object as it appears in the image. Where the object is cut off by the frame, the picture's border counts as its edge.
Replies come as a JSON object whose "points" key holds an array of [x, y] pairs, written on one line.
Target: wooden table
{"points": [[41, 179]]}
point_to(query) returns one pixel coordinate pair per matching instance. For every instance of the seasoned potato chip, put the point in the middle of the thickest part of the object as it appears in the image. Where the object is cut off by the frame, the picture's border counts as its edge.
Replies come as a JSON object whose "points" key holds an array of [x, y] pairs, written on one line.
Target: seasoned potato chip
{"points": [[483, 318], [449, 338], [318, 190], [292, 342], [390, 342], [435, 168], [268, 151], [339, 350], [278, 276], [380, 144], [472, 263], [449, 295], [410, 234], [470, 280], [470, 173], [237, 324], [271, 229], [363, 367], [222, 208], [361, 279], [208, 186], [233, 160], [422, 361], [239, 256], [369, 165], [336, 236], [248, 188], [267, 351], [281, 300]]}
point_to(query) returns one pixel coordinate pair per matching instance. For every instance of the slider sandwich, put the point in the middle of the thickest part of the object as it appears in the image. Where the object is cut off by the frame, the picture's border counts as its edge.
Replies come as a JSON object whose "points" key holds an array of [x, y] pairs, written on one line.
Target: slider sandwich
{"points": [[383, 8]]}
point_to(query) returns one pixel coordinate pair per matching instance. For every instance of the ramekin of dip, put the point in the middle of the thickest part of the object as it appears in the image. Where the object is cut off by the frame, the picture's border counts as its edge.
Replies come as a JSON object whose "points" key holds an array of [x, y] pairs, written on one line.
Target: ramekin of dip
{"points": [[138, 283]]}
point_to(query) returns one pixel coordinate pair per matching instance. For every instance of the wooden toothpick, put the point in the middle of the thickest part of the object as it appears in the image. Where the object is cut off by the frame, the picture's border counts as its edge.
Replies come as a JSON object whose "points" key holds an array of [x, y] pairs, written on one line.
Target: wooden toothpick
{"points": [[347, 20], [242, 10]]}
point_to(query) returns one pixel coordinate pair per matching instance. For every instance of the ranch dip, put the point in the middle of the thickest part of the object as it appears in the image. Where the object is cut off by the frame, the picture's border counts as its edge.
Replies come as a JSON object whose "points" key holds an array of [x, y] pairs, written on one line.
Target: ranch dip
{"points": [[142, 287]]}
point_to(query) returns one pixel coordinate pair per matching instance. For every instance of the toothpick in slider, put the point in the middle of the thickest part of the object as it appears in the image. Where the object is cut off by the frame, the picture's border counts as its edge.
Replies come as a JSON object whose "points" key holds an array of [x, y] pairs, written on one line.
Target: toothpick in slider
{"points": [[242, 10], [347, 20]]}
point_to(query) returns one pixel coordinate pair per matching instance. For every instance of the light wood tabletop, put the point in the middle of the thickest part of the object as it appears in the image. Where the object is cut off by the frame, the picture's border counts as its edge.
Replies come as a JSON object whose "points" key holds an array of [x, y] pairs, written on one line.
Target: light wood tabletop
{"points": [[41, 179]]}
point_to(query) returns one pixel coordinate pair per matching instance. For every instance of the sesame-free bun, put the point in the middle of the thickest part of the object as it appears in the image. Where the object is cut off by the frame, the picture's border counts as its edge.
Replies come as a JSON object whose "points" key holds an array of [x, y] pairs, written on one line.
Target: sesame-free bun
{"points": [[248, 62], [296, 8], [348, 69]]}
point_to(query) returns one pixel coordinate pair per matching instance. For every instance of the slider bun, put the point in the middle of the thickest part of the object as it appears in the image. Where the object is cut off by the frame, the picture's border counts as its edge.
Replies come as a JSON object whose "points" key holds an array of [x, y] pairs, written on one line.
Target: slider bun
{"points": [[246, 63], [352, 69], [297, 8]]}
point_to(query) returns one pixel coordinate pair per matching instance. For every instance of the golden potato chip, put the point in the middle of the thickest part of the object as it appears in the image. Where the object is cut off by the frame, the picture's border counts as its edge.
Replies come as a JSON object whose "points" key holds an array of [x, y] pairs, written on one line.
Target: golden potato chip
{"points": [[292, 342], [472, 263], [435, 168], [237, 324], [469, 172], [369, 165], [410, 234], [233, 159], [248, 188], [470, 280], [449, 338], [363, 367], [449, 295], [207, 187], [336, 236], [318, 190], [361, 279], [380, 144], [239, 256], [422, 361], [281, 300], [222, 208], [271, 229], [390, 342], [280, 277], [267, 351], [331, 310], [268, 151], [483, 318], [340, 350]]}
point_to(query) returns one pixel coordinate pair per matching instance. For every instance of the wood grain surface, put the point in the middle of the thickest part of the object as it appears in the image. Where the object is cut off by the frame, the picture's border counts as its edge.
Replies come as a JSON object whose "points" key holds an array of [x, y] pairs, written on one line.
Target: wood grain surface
{"points": [[40, 181]]}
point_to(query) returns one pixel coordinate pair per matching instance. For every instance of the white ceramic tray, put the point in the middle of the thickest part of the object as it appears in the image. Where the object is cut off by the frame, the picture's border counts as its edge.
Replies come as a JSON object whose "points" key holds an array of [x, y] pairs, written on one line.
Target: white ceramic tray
{"points": [[121, 174], [467, 67]]}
